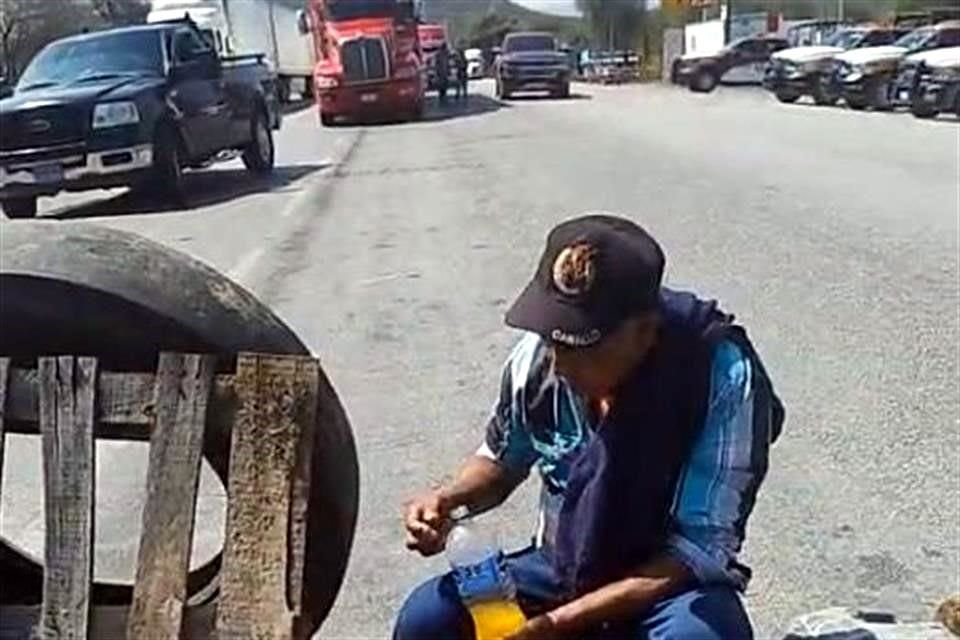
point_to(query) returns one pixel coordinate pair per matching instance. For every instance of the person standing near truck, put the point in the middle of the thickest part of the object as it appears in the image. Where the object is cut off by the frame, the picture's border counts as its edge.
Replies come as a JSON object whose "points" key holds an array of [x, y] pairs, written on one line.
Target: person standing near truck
{"points": [[441, 63], [460, 61], [650, 417]]}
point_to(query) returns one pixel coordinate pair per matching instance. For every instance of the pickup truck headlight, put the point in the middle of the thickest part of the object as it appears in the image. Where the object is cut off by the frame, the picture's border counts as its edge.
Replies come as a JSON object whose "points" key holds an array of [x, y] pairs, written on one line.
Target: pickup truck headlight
{"points": [[115, 114]]}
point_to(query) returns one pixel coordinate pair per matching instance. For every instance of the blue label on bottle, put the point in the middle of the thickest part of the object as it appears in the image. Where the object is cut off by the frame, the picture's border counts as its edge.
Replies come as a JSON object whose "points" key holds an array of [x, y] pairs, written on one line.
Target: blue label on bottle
{"points": [[485, 580]]}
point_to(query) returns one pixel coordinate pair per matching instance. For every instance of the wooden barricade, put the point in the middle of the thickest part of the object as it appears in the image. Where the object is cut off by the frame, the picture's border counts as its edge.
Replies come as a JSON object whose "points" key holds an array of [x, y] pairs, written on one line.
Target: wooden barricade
{"points": [[271, 405]]}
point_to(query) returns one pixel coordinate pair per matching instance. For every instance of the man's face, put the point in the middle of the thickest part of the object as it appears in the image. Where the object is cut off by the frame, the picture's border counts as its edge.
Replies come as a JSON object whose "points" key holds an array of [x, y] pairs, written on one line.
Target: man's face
{"points": [[597, 371]]}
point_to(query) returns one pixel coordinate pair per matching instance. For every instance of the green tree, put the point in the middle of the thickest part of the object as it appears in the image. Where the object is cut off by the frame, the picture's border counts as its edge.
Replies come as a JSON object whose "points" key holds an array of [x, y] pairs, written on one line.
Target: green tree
{"points": [[27, 25], [614, 24], [122, 12]]}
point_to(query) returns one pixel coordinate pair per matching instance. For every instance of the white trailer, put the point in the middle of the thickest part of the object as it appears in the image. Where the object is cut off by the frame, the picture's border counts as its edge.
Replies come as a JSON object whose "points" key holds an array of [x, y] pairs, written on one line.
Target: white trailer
{"points": [[239, 27]]}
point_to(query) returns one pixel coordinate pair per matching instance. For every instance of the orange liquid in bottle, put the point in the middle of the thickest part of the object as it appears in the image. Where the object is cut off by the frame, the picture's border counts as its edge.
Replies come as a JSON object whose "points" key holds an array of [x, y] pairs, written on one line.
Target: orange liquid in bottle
{"points": [[496, 619]]}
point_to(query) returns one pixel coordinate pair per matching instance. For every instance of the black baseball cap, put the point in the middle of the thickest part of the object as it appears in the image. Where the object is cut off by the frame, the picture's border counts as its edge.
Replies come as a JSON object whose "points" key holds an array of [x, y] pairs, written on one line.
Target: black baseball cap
{"points": [[597, 271]]}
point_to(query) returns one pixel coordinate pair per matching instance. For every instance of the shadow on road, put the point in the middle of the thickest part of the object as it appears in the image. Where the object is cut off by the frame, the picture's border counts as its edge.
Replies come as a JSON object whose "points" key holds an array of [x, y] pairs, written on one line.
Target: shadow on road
{"points": [[545, 97], [203, 188], [474, 105]]}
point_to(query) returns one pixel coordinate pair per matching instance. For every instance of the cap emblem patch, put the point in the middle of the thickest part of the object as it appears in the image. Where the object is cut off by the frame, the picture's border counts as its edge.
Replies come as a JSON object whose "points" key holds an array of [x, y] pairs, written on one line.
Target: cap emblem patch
{"points": [[574, 269]]}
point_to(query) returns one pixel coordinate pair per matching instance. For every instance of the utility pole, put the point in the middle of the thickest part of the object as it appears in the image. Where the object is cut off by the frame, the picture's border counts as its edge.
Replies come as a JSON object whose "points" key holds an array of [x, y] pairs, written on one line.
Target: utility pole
{"points": [[841, 10]]}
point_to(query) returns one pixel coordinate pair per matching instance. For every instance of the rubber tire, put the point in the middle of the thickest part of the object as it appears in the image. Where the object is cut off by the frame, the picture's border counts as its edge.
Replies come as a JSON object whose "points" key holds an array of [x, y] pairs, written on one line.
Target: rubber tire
{"points": [[20, 208], [857, 104], [786, 96], [923, 111], [256, 159], [563, 92], [75, 288], [704, 81], [502, 92], [166, 176]]}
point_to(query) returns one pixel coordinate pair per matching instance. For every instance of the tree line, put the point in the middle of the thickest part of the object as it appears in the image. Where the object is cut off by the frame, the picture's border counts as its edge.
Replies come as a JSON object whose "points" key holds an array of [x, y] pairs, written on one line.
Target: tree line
{"points": [[27, 25]]}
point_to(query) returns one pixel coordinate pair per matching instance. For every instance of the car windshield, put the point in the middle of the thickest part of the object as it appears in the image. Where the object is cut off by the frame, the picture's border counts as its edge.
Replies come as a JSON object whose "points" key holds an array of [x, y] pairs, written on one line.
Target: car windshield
{"points": [[846, 39], [354, 9], [96, 58], [915, 39], [519, 44]]}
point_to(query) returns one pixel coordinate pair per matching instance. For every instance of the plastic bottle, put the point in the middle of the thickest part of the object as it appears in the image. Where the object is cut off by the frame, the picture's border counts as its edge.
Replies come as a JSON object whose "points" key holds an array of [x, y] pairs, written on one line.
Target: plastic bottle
{"points": [[485, 587]]}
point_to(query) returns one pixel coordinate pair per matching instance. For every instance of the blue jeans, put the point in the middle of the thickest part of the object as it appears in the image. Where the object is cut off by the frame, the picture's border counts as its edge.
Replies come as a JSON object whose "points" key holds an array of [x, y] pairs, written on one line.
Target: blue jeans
{"points": [[434, 611]]}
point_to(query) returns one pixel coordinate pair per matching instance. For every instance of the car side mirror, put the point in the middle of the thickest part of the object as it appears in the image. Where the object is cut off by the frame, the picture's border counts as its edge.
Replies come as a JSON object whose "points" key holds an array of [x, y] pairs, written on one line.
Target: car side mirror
{"points": [[303, 22]]}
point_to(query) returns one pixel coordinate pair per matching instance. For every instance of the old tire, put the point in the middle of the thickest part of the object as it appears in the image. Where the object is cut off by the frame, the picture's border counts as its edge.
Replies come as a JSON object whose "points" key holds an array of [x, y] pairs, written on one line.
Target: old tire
{"points": [[19, 208], [704, 81], [787, 96], [260, 155], [76, 288]]}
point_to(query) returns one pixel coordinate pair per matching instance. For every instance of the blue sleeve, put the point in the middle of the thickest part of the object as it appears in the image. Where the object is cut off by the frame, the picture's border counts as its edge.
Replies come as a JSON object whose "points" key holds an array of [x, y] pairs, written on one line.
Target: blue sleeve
{"points": [[507, 439], [719, 484]]}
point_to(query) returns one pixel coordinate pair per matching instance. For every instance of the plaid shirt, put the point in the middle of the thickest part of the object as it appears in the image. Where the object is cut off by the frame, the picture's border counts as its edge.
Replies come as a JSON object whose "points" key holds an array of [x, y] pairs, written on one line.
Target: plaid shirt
{"points": [[540, 421]]}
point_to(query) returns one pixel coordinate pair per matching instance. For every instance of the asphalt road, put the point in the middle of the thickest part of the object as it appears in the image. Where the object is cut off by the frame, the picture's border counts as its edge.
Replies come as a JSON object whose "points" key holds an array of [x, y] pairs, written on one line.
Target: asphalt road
{"points": [[394, 251]]}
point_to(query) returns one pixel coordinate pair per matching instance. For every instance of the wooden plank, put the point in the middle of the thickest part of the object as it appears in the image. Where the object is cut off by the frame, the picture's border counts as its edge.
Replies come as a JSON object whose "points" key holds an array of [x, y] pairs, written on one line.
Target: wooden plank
{"points": [[125, 403], [264, 545], [182, 389], [4, 374], [67, 401]]}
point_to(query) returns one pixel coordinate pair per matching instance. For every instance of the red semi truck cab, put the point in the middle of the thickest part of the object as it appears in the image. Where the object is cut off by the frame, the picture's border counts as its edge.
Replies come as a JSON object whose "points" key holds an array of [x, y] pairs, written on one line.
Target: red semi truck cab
{"points": [[368, 58]]}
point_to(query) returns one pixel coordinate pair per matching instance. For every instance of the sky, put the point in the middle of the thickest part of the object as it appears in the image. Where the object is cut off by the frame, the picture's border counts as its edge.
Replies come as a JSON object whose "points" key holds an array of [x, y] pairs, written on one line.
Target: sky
{"points": [[560, 7]]}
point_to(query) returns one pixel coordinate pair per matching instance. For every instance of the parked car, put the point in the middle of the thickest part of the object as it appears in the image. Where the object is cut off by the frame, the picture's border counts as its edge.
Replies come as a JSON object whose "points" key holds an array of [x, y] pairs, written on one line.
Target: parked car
{"points": [[532, 61], [865, 77], [799, 71], [929, 82], [132, 106], [742, 61]]}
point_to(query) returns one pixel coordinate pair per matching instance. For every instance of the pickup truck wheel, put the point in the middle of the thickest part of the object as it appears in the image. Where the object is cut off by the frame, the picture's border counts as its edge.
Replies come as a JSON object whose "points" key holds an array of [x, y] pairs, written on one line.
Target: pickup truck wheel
{"points": [[704, 81], [258, 157], [563, 91], [17, 208], [787, 96], [857, 103]]}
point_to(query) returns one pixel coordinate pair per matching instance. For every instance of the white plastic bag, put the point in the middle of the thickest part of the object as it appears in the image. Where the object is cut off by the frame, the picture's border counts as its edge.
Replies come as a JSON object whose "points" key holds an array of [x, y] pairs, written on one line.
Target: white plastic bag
{"points": [[845, 624]]}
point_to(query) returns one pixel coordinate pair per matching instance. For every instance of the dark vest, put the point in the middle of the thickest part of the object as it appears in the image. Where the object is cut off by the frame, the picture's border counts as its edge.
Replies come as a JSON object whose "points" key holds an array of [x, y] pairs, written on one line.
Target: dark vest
{"points": [[621, 488]]}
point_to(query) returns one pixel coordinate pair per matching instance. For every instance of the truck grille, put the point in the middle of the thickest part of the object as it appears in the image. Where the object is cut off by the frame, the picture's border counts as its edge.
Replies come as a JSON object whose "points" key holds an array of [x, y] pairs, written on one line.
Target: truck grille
{"points": [[364, 60], [42, 127]]}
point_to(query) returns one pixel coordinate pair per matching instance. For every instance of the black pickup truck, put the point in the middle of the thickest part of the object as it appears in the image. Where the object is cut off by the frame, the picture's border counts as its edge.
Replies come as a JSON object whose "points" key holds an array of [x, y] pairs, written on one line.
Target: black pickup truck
{"points": [[134, 107]]}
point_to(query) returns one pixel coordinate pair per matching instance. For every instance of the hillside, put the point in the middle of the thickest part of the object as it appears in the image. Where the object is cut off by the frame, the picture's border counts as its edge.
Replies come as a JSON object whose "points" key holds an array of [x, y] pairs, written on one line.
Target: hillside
{"points": [[459, 10]]}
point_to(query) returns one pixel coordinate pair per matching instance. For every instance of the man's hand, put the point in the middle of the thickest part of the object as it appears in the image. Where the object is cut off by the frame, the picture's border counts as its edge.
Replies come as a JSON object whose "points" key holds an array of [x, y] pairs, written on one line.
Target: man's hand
{"points": [[539, 628], [428, 522]]}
